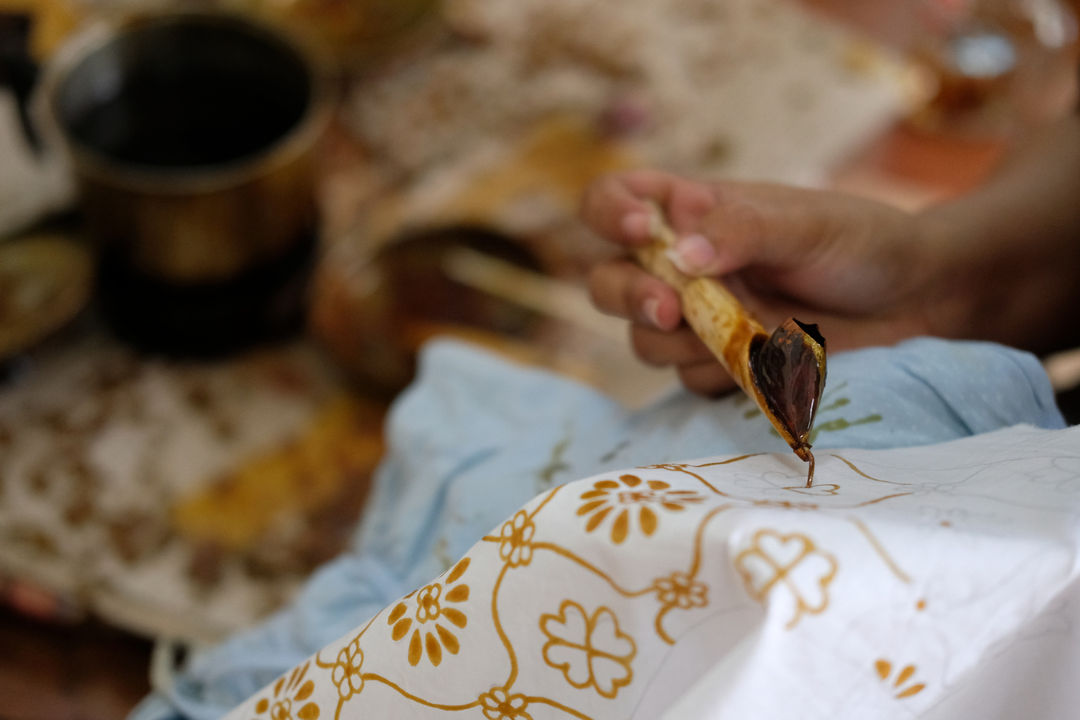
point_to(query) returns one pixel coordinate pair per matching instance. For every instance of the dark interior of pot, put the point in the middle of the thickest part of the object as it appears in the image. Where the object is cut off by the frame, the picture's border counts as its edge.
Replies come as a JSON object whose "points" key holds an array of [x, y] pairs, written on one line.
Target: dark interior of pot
{"points": [[185, 92]]}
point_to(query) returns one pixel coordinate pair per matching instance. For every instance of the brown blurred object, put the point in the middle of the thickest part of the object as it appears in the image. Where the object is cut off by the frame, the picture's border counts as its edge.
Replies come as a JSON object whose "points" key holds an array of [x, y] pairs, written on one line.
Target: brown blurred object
{"points": [[196, 172], [911, 167], [1005, 67], [359, 35], [51, 22], [504, 124], [523, 186], [182, 500], [293, 508], [44, 283], [374, 312], [51, 672], [388, 285], [998, 67]]}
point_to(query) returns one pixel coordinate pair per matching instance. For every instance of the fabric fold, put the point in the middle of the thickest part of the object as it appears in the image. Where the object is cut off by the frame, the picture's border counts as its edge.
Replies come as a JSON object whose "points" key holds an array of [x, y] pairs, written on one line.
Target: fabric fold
{"points": [[475, 438]]}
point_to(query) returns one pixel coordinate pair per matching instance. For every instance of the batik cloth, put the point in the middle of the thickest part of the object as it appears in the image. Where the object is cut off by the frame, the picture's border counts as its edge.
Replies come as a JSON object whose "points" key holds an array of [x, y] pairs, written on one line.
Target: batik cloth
{"points": [[481, 584]]}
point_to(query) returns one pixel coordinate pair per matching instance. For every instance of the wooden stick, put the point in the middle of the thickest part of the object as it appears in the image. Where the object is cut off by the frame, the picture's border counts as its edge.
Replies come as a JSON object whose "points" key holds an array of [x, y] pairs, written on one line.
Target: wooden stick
{"points": [[726, 328], [717, 316]]}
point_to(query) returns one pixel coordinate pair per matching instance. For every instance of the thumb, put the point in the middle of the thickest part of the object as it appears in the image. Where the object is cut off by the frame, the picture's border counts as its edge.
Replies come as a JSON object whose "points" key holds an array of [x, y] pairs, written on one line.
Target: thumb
{"points": [[761, 225]]}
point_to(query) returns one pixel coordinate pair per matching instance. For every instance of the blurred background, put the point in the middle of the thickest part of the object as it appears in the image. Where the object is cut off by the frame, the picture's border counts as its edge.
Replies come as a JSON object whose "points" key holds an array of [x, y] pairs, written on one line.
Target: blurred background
{"points": [[227, 228]]}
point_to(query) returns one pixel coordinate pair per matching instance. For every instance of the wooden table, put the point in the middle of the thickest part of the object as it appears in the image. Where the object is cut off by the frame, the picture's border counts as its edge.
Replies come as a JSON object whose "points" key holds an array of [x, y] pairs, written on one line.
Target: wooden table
{"points": [[81, 672]]}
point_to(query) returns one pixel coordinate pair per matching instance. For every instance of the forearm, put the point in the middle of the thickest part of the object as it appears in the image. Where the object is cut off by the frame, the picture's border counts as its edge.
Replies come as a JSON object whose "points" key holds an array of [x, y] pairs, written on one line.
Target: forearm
{"points": [[1012, 248]]}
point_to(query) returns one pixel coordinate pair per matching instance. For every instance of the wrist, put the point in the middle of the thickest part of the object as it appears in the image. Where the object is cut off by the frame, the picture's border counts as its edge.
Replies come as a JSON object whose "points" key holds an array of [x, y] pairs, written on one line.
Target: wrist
{"points": [[993, 276], [951, 290]]}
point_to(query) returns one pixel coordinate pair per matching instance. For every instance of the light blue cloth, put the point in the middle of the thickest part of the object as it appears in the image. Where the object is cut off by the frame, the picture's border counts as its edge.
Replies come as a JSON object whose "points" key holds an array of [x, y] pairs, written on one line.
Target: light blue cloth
{"points": [[476, 437]]}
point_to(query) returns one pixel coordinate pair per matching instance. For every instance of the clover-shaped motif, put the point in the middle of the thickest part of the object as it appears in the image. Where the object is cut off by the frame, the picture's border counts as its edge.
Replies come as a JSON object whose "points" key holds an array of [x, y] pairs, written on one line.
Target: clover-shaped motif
{"points": [[589, 650], [787, 564]]}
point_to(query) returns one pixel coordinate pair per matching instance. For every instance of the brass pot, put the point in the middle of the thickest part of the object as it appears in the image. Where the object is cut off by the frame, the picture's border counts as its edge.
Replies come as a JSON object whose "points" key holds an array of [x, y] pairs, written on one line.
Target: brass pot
{"points": [[192, 139], [218, 204]]}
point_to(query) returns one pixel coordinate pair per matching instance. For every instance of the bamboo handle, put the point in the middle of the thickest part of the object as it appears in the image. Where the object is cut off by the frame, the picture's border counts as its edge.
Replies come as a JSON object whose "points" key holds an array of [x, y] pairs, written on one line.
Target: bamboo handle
{"points": [[739, 342], [716, 316]]}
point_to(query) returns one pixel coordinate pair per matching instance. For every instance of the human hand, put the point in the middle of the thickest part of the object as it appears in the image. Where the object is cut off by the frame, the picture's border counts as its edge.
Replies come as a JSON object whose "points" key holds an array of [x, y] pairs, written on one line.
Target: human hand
{"points": [[865, 272]]}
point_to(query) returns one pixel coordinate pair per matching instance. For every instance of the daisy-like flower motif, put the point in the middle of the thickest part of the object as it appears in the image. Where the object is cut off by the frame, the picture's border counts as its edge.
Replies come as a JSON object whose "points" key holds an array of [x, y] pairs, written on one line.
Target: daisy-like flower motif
{"points": [[681, 591], [902, 687], [515, 540], [500, 705], [432, 617], [347, 675], [628, 497], [290, 698]]}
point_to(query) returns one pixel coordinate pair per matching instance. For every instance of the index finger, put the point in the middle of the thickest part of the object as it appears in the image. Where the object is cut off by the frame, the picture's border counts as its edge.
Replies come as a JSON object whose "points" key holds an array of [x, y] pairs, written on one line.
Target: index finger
{"points": [[617, 206]]}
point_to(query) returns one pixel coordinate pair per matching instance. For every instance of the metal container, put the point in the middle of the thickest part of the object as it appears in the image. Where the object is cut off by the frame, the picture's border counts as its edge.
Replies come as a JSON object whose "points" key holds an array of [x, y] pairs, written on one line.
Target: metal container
{"points": [[193, 142]]}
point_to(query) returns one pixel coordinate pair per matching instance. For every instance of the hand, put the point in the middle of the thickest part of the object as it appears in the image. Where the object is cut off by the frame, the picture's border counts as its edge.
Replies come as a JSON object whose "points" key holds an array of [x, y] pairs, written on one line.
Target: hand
{"points": [[865, 272]]}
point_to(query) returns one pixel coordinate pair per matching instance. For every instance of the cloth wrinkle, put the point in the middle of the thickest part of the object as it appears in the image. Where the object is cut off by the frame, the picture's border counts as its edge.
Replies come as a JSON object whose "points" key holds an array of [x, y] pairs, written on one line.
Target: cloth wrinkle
{"points": [[467, 440]]}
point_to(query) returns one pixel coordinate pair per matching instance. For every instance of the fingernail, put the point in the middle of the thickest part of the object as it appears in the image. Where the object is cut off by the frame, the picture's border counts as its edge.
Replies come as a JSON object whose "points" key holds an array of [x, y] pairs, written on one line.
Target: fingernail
{"points": [[651, 308], [636, 225], [693, 254]]}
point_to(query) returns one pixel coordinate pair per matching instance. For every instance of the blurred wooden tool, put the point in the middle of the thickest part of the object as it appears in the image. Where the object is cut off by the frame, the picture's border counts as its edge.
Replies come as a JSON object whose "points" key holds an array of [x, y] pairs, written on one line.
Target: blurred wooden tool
{"points": [[783, 372]]}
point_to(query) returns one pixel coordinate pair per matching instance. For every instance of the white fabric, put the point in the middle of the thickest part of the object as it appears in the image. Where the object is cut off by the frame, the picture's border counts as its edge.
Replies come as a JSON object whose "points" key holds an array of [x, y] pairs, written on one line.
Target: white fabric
{"points": [[936, 582]]}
